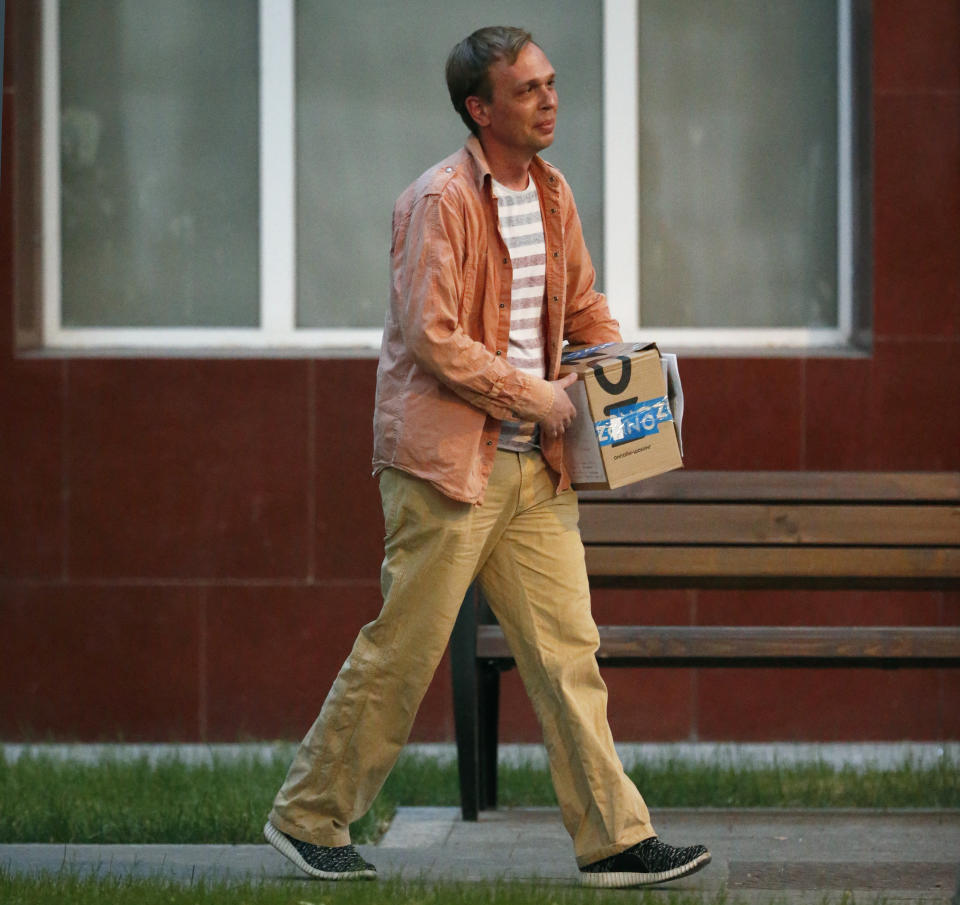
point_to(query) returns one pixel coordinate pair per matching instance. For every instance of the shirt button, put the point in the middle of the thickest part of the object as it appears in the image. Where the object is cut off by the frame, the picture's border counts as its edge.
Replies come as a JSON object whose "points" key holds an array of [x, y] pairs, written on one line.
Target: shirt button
{"points": [[553, 210], [449, 169], [505, 260], [489, 442], [498, 352], [556, 254], [556, 298], [502, 305]]}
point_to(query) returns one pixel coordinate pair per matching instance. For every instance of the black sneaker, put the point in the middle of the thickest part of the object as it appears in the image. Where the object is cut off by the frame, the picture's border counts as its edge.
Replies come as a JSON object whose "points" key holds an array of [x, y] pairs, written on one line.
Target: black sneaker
{"points": [[650, 861], [341, 862]]}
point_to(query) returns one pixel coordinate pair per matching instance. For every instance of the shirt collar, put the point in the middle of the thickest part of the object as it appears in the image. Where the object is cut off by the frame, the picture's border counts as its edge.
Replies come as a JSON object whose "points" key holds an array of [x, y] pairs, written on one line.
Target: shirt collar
{"points": [[482, 168]]}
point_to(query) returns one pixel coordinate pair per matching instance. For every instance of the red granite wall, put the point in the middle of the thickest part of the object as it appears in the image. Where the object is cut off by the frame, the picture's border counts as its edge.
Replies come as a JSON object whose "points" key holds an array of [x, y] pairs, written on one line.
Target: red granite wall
{"points": [[188, 547]]}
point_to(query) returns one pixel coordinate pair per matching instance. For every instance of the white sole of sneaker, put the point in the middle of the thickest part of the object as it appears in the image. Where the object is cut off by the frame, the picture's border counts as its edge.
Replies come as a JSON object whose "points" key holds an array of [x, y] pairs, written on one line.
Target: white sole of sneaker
{"points": [[283, 845], [625, 879]]}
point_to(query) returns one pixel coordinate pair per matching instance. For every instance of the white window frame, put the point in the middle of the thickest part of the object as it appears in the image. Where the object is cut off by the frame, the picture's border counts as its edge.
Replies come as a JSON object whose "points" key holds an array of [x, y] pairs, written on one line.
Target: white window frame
{"points": [[621, 208], [278, 291]]}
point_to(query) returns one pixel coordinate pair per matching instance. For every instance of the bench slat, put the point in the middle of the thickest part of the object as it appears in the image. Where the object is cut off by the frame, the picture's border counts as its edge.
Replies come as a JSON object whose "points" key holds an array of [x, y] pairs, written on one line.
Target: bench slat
{"points": [[790, 486], [732, 523], [784, 562], [629, 642]]}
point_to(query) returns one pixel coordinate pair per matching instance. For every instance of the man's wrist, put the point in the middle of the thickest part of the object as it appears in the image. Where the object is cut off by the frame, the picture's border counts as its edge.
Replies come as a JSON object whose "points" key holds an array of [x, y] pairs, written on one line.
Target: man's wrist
{"points": [[546, 400], [553, 399]]}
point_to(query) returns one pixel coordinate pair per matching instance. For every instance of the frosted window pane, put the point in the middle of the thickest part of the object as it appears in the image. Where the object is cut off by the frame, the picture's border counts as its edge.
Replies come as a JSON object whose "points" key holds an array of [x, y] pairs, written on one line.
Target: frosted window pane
{"points": [[159, 159], [738, 114], [373, 113]]}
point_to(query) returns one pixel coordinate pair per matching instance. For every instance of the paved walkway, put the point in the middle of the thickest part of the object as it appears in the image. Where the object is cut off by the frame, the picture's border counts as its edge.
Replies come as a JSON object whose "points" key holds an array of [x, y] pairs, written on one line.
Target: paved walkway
{"points": [[791, 856]]}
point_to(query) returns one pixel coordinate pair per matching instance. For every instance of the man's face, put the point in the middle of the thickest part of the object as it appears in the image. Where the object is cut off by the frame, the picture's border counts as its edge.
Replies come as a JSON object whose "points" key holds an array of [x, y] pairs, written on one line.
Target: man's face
{"points": [[522, 114]]}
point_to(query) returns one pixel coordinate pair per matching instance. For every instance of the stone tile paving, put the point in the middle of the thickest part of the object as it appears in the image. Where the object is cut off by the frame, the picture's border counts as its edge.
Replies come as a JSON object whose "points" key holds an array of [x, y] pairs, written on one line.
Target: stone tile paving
{"points": [[758, 855]]}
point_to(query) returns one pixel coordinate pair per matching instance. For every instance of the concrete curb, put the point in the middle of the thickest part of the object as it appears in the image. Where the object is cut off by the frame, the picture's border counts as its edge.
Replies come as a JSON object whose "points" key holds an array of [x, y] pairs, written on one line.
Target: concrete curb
{"points": [[882, 755]]}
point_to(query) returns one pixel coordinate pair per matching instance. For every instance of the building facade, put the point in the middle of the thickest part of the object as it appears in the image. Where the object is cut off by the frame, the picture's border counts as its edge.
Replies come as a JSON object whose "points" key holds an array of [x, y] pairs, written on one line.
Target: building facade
{"points": [[190, 542]]}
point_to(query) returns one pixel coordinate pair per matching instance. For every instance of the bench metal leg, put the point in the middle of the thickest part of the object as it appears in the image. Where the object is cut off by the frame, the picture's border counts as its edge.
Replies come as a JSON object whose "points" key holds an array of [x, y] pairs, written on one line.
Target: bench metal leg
{"points": [[466, 717], [489, 714], [476, 709]]}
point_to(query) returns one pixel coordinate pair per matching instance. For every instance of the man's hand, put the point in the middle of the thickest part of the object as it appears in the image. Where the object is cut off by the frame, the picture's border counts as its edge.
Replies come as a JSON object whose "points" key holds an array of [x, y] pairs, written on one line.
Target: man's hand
{"points": [[562, 413]]}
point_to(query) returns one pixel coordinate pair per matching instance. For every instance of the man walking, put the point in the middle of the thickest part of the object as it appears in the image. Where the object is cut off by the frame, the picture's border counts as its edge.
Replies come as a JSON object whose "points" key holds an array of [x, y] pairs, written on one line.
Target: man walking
{"points": [[489, 277]]}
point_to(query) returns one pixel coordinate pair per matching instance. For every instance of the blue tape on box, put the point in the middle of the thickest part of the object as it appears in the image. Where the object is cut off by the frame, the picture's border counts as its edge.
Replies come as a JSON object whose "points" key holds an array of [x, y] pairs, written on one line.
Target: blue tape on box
{"points": [[633, 421], [569, 357]]}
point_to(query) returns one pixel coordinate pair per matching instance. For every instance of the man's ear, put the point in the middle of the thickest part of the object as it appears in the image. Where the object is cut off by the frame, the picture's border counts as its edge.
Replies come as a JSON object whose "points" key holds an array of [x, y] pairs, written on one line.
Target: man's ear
{"points": [[477, 110]]}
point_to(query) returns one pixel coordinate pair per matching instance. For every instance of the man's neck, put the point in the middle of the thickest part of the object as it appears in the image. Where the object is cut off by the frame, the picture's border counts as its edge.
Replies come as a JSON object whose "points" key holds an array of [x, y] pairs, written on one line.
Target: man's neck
{"points": [[507, 169]]}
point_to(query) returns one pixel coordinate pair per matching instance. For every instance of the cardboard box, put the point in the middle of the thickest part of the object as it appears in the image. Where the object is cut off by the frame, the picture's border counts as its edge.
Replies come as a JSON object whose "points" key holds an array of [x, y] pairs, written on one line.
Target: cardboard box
{"points": [[626, 429]]}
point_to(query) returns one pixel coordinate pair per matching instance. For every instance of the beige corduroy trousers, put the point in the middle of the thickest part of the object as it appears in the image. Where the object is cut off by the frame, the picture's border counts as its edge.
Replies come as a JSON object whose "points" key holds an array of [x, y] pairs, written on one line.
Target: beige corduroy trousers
{"points": [[524, 544]]}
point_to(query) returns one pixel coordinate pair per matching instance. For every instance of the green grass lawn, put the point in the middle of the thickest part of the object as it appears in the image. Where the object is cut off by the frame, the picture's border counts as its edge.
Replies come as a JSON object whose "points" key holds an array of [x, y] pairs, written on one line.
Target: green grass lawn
{"points": [[43, 799], [120, 801]]}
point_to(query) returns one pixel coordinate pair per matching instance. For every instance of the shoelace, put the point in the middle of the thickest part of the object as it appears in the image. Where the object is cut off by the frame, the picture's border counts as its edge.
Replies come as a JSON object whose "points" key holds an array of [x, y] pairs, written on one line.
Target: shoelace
{"points": [[660, 856], [334, 859]]}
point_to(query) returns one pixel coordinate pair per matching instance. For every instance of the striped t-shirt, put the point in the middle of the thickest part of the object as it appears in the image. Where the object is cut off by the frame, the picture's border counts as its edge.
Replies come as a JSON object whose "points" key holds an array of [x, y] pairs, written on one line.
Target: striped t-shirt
{"points": [[521, 227]]}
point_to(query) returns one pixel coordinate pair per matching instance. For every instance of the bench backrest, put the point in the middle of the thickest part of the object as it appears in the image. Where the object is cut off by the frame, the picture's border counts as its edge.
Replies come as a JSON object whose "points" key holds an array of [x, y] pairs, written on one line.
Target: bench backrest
{"points": [[777, 529]]}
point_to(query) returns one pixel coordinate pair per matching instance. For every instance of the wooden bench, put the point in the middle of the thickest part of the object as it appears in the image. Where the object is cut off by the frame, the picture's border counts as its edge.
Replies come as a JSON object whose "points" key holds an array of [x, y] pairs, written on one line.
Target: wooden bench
{"points": [[815, 530]]}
